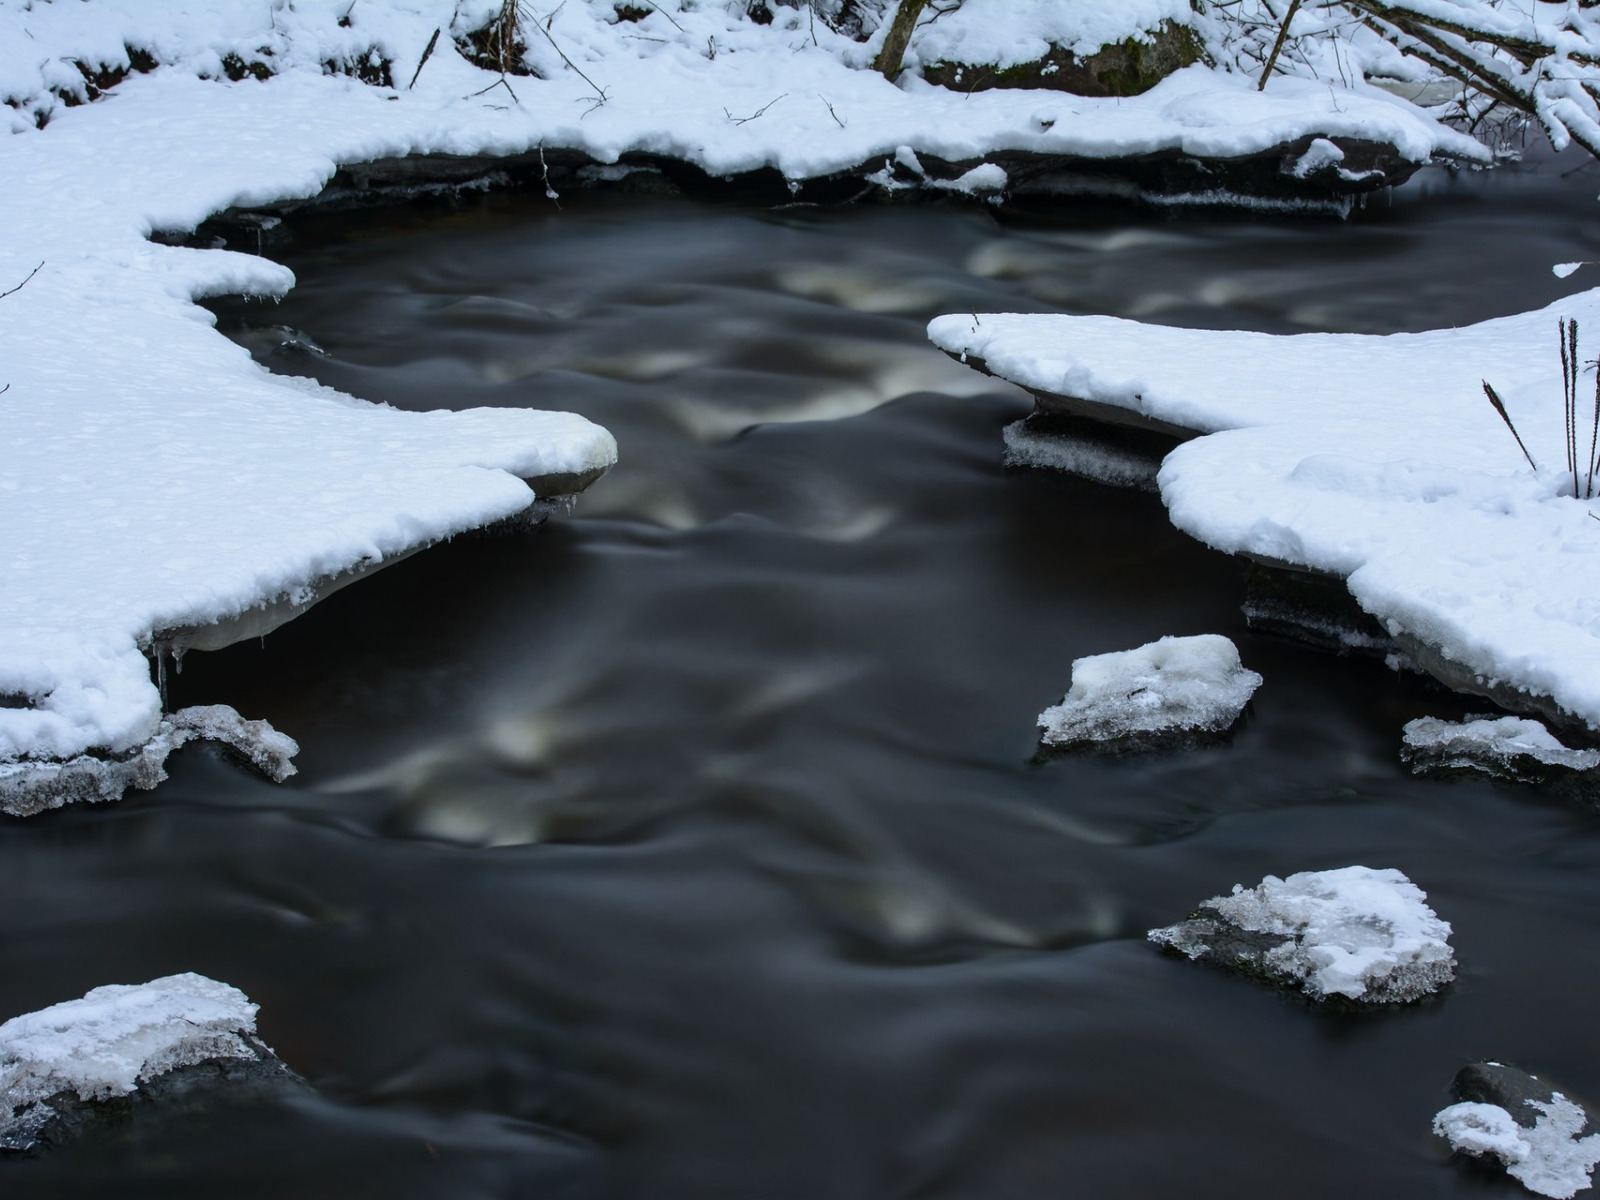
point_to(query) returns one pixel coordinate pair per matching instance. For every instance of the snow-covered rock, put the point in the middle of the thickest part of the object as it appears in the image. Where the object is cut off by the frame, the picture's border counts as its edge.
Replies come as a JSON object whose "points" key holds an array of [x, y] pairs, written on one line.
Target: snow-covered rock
{"points": [[1505, 747], [112, 1040], [1376, 459], [1168, 690], [1545, 1141], [1354, 933]]}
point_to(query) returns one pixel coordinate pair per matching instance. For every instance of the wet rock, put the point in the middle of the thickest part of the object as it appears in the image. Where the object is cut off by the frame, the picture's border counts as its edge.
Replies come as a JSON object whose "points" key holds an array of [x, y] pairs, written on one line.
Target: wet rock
{"points": [[1123, 68], [1545, 1140], [1354, 935]]}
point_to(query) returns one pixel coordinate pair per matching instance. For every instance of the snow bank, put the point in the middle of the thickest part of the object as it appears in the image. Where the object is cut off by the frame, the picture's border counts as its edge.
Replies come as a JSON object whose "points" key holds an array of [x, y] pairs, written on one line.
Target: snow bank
{"points": [[1548, 1157], [1175, 686], [113, 1039], [1373, 458], [1362, 934], [1510, 747]]}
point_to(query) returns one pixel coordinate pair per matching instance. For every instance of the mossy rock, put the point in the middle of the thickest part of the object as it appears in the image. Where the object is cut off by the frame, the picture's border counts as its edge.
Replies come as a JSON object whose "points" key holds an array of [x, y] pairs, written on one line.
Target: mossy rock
{"points": [[1123, 68]]}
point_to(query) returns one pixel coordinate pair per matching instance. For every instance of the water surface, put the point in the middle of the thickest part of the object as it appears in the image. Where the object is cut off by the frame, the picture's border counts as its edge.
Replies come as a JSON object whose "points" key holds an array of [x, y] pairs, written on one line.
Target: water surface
{"points": [[691, 846]]}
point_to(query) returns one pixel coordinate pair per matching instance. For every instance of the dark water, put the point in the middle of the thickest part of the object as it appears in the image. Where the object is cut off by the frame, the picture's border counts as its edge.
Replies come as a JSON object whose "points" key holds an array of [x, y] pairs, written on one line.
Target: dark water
{"points": [[690, 847]]}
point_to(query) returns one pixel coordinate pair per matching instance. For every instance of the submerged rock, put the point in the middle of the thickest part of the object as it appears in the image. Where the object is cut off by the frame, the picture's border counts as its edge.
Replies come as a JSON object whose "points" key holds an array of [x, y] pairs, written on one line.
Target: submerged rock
{"points": [[1354, 934], [1515, 748], [1163, 695], [61, 1067], [1546, 1141]]}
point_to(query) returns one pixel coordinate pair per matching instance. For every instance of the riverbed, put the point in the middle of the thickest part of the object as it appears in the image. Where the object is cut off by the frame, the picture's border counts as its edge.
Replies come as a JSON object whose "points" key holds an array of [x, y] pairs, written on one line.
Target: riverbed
{"points": [[694, 844]]}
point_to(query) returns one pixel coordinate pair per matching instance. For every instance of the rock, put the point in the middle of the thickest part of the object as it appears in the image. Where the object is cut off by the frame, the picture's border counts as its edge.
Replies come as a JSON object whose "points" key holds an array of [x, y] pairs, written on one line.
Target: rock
{"points": [[1165, 695], [1123, 68], [66, 1068], [1352, 935], [1546, 1141]]}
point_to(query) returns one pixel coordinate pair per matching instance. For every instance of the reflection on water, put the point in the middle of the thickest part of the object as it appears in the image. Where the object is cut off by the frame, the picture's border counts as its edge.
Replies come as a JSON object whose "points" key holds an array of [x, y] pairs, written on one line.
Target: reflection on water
{"points": [[691, 847]]}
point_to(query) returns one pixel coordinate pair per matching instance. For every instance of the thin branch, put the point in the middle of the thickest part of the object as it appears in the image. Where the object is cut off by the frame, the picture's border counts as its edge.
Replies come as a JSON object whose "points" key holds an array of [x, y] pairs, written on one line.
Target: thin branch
{"points": [[1277, 46], [23, 284], [423, 61], [758, 112]]}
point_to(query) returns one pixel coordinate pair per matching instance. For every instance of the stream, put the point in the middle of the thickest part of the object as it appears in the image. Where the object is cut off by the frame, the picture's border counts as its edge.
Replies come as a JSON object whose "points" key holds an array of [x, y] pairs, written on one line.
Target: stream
{"points": [[693, 845]]}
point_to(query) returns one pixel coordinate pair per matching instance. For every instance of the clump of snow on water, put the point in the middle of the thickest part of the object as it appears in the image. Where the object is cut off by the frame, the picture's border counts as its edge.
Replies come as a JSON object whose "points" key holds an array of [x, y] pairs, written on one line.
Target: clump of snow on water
{"points": [[30, 787], [1375, 458], [1358, 933], [113, 1039], [1549, 1158], [1562, 270], [1025, 447], [1178, 685], [1495, 745]]}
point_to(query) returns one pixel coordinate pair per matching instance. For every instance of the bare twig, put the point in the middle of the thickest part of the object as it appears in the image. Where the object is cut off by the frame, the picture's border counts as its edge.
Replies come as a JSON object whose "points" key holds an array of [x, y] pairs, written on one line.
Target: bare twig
{"points": [[757, 113], [423, 61], [831, 113], [545, 30], [23, 284]]}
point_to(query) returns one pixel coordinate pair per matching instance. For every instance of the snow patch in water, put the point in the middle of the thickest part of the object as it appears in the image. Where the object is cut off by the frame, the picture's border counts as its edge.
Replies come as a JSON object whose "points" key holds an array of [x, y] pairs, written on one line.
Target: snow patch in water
{"points": [[1175, 685], [1362, 934], [1548, 1158]]}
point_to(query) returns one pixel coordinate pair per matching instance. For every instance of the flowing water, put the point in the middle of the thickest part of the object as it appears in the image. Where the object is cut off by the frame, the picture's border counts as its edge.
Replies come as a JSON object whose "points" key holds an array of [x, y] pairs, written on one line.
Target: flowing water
{"points": [[692, 846]]}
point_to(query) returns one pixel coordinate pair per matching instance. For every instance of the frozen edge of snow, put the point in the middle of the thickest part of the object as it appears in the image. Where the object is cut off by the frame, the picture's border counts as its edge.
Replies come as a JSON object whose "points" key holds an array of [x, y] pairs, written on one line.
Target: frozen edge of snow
{"points": [[30, 787]]}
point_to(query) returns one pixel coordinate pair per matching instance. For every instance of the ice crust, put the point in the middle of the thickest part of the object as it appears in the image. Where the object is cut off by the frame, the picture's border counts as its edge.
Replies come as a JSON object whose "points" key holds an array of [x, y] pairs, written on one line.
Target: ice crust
{"points": [[1375, 458], [1496, 745], [1178, 685], [113, 1039], [1077, 456], [30, 787], [1366, 935], [1549, 1158]]}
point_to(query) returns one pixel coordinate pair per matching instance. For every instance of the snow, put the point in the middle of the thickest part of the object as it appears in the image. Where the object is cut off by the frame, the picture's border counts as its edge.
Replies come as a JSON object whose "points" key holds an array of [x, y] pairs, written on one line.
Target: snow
{"points": [[1006, 33], [115, 1038], [1548, 1158], [157, 478], [1362, 934], [1491, 744], [1175, 685], [1373, 458]]}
